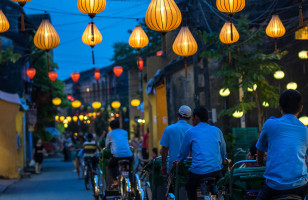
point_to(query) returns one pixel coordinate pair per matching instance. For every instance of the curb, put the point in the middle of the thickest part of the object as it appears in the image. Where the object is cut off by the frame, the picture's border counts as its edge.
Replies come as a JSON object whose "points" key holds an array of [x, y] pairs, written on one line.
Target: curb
{"points": [[5, 184]]}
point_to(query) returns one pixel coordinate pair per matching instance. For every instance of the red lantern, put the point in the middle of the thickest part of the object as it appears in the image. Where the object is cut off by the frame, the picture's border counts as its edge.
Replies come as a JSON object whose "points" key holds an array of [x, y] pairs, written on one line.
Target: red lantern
{"points": [[159, 53], [53, 76], [97, 74], [140, 63], [31, 73], [118, 71], [75, 76]]}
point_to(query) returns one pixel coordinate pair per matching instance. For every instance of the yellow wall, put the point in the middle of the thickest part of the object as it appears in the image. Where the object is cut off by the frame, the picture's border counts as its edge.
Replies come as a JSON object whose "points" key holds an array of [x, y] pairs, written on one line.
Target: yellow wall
{"points": [[8, 151], [19, 129]]}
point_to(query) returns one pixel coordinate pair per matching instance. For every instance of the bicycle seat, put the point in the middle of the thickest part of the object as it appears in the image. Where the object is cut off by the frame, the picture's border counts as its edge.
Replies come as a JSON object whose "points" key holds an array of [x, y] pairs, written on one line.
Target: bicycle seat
{"points": [[287, 197], [123, 162]]}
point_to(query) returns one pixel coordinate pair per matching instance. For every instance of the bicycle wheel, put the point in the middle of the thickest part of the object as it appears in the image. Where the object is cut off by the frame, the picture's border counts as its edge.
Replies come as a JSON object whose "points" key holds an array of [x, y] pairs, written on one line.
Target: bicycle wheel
{"points": [[87, 180]]}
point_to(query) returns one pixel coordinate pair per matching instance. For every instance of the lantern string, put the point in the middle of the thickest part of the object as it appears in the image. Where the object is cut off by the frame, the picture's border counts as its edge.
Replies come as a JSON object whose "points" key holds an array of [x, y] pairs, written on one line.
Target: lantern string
{"points": [[47, 61], [301, 20], [22, 19], [185, 61], [163, 42], [93, 59]]}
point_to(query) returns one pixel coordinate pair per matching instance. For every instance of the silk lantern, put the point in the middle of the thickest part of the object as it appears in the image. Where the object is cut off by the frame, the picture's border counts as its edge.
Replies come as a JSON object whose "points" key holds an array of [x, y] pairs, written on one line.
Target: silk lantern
{"points": [[185, 45], [224, 92], [135, 102], [238, 114], [226, 38], [76, 104], [4, 24], [75, 76], [292, 86], [140, 64], [91, 7], [92, 36], [279, 75], [97, 74], [75, 118], [302, 33], [22, 3], [115, 104], [118, 70], [56, 101], [53, 76], [275, 29], [31, 73], [96, 105]]}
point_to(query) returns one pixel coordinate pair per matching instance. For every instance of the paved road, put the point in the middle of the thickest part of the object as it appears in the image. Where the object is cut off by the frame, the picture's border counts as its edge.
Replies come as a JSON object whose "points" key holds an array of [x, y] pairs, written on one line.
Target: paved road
{"points": [[56, 182]]}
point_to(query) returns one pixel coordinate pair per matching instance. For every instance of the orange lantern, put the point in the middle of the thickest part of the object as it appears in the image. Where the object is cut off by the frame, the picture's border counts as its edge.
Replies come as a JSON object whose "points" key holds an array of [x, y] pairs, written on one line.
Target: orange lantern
{"points": [[75, 77], [227, 36], [91, 7], [22, 3], [275, 29], [31, 73], [118, 70], [140, 64], [4, 24], [97, 74], [53, 76], [138, 38], [159, 53]]}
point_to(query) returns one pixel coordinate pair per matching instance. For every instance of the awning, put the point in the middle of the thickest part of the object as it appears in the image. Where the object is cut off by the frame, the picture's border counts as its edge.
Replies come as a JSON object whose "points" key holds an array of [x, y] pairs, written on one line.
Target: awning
{"points": [[11, 98]]}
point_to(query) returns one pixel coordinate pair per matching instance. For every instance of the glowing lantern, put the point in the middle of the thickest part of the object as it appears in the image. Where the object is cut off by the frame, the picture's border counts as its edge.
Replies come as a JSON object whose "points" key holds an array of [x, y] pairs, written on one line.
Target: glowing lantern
{"points": [[69, 118], [76, 104], [159, 53], [229, 35], [46, 38], [31, 73], [230, 7], [135, 102], [279, 75], [81, 117], [303, 54], [22, 3], [65, 125], [56, 101], [97, 75], [88, 121], [53, 76], [304, 120], [238, 114], [224, 92], [75, 76], [62, 118], [265, 104], [253, 88], [118, 70], [163, 16], [75, 118], [116, 104], [291, 86], [91, 36], [91, 7], [138, 38], [96, 104], [140, 64], [275, 29], [302, 34], [57, 118], [4, 24]]}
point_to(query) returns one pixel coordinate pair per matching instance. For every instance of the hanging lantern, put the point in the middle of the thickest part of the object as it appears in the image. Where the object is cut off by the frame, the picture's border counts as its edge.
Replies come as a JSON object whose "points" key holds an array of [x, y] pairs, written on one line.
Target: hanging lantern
{"points": [[118, 70], [302, 34], [62, 118], [265, 104], [230, 7], [96, 105], [56, 101], [224, 92], [22, 3], [91, 7], [31, 73], [46, 38], [275, 29], [303, 54], [76, 104], [140, 64], [91, 36], [53, 76], [226, 33], [292, 86], [116, 104], [163, 16], [56, 118], [253, 88], [304, 120], [185, 45], [279, 75], [135, 102], [4, 24], [69, 118], [81, 117], [97, 74], [75, 76], [138, 38], [75, 118], [238, 114]]}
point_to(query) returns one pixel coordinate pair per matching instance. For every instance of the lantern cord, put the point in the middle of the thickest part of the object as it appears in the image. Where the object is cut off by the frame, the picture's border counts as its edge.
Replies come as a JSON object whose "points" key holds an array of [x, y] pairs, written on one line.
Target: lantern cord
{"points": [[92, 31], [276, 48], [138, 60], [47, 61], [93, 59], [231, 28], [22, 21], [185, 61], [301, 20], [163, 43]]}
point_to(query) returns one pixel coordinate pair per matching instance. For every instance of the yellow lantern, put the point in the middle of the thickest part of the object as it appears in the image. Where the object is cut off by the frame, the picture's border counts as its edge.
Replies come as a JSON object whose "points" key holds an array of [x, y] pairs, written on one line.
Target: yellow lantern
{"points": [[138, 38], [69, 118], [279, 75], [135, 102], [57, 118], [65, 121], [185, 45], [65, 125], [75, 118], [229, 35], [254, 88], [4, 24], [90, 114], [238, 114], [62, 118], [291, 86], [81, 117], [265, 104], [230, 7], [304, 120], [88, 121], [302, 34], [275, 29], [56, 101], [76, 104], [224, 92], [303, 54], [91, 7], [116, 104], [96, 105]]}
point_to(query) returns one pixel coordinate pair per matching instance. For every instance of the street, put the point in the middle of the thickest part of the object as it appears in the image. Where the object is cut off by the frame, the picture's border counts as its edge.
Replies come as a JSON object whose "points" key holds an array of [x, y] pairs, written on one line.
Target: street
{"points": [[57, 181]]}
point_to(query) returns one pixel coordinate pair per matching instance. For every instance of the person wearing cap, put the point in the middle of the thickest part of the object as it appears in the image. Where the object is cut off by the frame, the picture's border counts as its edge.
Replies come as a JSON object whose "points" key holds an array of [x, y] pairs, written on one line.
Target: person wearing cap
{"points": [[172, 138], [208, 148]]}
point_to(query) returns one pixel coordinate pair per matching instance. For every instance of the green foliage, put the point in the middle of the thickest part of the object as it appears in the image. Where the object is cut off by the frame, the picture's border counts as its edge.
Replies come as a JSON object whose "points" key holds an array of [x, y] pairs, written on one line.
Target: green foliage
{"points": [[250, 65], [102, 123], [8, 55]]}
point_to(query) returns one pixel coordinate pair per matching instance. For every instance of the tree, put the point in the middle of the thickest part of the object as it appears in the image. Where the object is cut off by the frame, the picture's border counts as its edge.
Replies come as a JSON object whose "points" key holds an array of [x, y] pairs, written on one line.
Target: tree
{"points": [[8, 55], [250, 65]]}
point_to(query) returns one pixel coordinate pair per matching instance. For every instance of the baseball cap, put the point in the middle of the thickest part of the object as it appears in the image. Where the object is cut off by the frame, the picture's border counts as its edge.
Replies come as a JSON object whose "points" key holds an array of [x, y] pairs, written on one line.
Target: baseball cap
{"points": [[185, 111]]}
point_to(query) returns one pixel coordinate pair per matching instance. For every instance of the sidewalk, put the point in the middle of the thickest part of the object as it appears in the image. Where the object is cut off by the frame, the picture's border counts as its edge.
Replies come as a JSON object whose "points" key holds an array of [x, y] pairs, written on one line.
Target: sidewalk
{"points": [[5, 183]]}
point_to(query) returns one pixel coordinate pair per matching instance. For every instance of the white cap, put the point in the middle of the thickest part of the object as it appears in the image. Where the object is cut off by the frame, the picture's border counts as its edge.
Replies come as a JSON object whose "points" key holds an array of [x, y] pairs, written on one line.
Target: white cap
{"points": [[185, 111]]}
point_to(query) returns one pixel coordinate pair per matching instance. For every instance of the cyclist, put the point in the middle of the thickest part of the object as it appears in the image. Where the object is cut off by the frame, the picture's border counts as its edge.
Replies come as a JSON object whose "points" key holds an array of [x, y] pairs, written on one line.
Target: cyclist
{"points": [[90, 148], [117, 141], [285, 140], [208, 149]]}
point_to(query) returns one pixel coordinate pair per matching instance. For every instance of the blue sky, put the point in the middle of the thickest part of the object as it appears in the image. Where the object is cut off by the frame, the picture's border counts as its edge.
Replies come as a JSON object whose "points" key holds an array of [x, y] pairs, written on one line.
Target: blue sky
{"points": [[72, 54]]}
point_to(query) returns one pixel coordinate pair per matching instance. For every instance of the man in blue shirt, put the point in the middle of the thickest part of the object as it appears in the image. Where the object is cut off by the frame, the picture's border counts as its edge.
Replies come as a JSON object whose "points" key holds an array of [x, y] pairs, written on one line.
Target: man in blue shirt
{"points": [[172, 138], [117, 141], [208, 149], [285, 140]]}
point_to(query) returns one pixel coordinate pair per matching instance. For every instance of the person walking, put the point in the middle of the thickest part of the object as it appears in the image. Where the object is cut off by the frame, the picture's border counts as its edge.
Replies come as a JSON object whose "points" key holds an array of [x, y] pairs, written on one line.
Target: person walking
{"points": [[208, 148], [285, 140], [172, 138], [38, 155]]}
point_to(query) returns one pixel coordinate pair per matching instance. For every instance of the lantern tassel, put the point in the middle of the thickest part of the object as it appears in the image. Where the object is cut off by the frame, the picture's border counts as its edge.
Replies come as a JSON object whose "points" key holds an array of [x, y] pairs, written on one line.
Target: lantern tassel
{"points": [[230, 58], [301, 20], [47, 62], [93, 59], [22, 21], [185, 61], [164, 43]]}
